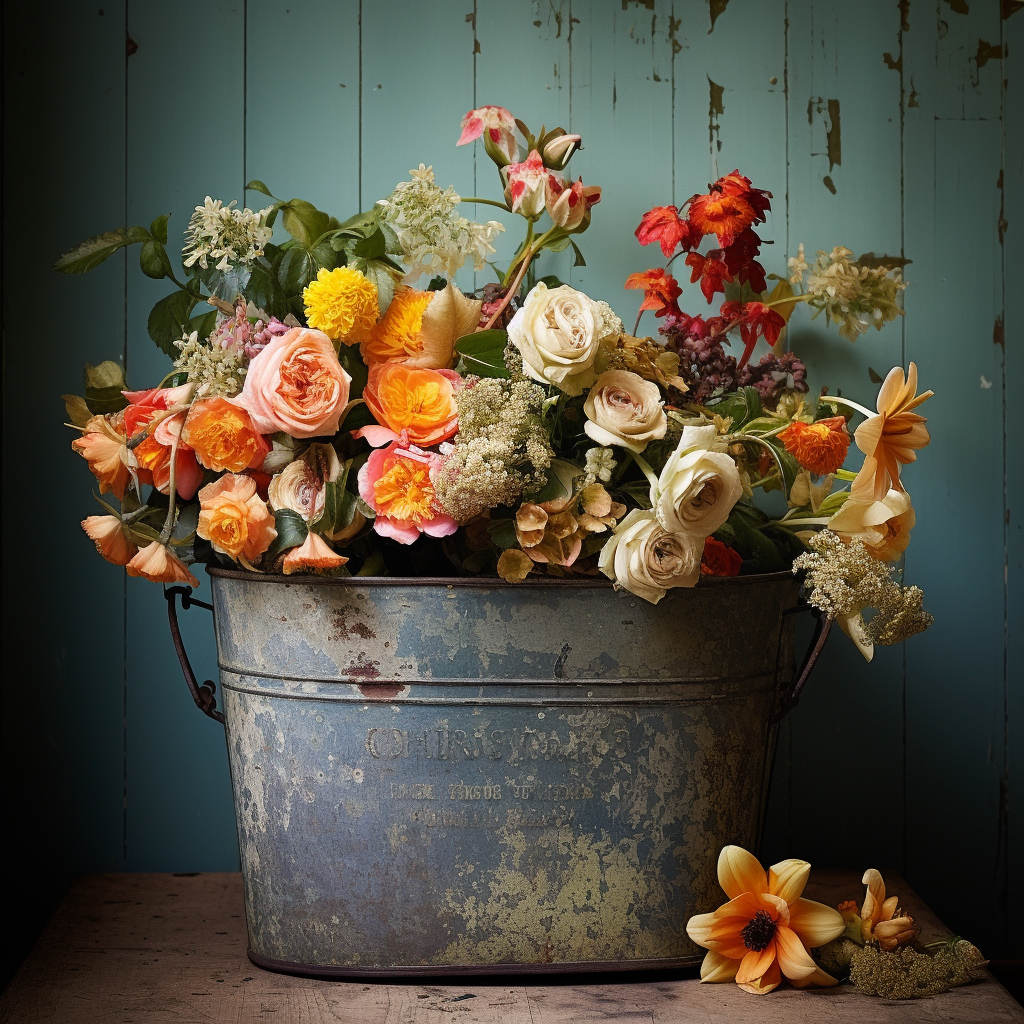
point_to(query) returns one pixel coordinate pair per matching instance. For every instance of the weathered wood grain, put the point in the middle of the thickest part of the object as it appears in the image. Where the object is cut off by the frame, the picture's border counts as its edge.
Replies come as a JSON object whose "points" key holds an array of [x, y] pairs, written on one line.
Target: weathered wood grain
{"points": [[154, 948]]}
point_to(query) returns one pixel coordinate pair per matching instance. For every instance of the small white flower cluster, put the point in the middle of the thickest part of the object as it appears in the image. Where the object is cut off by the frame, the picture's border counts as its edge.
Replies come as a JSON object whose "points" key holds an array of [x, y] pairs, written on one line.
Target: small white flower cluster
{"points": [[217, 370], [223, 234], [433, 237]]}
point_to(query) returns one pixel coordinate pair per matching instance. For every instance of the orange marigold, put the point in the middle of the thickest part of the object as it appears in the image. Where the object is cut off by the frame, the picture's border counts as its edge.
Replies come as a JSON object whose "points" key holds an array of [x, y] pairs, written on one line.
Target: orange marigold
{"points": [[820, 447], [397, 335], [721, 214]]}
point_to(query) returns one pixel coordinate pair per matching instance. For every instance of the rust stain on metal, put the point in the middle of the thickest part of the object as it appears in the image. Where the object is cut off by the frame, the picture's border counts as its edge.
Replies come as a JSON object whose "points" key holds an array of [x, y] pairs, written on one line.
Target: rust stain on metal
{"points": [[381, 691], [364, 669], [959, 6], [343, 630], [716, 107], [912, 101], [833, 136], [717, 8]]}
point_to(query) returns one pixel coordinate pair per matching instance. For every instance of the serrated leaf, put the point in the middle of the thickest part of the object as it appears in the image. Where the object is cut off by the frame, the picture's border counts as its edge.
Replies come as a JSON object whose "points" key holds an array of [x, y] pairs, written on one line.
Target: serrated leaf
{"points": [[483, 353], [103, 386], [297, 269], [153, 260], [169, 320], [78, 412], [158, 229], [95, 250], [291, 532]]}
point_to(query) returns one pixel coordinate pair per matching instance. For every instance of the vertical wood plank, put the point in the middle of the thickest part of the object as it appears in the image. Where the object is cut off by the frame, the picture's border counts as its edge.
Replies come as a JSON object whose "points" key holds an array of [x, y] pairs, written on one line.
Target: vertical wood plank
{"points": [[180, 815], [955, 713], [63, 632], [1012, 254], [844, 189]]}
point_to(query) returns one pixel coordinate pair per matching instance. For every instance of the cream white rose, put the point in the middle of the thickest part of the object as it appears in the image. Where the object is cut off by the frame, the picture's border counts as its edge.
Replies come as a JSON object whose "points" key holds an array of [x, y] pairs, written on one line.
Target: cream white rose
{"points": [[698, 487], [623, 408], [558, 332], [300, 485], [644, 559]]}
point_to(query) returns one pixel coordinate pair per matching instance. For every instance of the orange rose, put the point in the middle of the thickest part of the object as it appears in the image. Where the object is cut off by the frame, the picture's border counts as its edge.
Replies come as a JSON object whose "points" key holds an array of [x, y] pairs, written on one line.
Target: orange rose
{"points": [[107, 533], [223, 436], [159, 564], [103, 446], [296, 385], [420, 402], [235, 519]]}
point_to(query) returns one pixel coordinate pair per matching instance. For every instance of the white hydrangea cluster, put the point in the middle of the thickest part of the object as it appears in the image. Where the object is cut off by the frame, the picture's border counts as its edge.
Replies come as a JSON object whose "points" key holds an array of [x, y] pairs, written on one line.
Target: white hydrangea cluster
{"points": [[434, 238], [217, 370], [225, 235]]}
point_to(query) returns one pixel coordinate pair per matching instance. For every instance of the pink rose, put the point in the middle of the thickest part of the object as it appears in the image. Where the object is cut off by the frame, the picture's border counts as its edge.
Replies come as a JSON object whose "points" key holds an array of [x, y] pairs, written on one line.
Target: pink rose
{"points": [[296, 385]]}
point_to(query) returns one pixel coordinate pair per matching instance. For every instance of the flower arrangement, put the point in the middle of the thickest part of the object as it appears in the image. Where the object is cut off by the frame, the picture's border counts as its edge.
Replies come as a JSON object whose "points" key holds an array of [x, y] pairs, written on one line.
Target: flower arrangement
{"points": [[327, 412], [767, 931]]}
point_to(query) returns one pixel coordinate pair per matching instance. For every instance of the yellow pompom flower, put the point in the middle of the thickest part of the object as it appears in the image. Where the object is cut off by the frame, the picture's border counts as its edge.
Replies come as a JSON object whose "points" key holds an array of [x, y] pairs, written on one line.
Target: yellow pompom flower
{"points": [[397, 336], [343, 304]]}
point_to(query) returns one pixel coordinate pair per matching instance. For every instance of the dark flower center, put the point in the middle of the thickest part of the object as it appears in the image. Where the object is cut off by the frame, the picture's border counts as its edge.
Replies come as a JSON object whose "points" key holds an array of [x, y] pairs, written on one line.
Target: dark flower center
{"points": [[759, 932]]}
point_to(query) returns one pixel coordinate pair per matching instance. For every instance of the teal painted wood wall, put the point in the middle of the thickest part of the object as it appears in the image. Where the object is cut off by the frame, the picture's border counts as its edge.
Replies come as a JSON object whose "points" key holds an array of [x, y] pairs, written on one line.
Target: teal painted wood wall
{"points": [[881, 125]]}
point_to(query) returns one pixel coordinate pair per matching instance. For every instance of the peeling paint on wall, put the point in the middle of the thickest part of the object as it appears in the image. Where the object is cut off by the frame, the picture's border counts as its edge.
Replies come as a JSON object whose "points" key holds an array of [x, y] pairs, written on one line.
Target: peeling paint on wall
{"points": [[717, 8], [716, 108], [959, 6]]}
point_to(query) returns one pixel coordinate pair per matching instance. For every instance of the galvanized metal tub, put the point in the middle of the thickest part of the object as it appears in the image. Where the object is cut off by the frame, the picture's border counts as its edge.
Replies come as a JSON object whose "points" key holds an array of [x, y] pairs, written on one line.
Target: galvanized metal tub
{"points": [[464, 776]]}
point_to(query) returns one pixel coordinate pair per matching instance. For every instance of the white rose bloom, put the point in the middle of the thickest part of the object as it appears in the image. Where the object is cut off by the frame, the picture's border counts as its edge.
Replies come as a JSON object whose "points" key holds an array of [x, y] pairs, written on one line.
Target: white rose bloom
{"points": [[300, 485], [698, 487], [647, 561], [623, 408], [558, 331]]}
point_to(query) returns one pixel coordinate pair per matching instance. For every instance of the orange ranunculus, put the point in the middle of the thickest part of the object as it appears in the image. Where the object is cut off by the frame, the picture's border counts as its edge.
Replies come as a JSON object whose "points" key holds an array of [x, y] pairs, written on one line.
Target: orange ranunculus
{"points": [[103, 445], [153, 455], [235, 519], [107, 533], [891, 438], [719, 559], [420, 402], [296, 385], [820, 447], [223, 437], [421, 328], [314, 555], [765, 929], [159, 564]]}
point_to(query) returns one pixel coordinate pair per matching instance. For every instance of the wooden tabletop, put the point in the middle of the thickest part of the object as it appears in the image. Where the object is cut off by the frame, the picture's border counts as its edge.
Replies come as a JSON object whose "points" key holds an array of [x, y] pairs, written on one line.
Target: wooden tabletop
{"points": [[141, 949]]}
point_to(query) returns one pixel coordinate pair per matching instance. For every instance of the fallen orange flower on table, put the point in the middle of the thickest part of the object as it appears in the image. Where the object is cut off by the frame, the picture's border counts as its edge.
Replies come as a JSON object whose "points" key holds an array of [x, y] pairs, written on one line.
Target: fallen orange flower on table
{"points": [[766, 928]]}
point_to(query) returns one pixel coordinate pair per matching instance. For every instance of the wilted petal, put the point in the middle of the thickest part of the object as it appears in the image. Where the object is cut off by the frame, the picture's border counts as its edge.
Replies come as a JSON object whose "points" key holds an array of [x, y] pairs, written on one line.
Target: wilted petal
{"points": [[514, 566], [788, 878], [717, 967], [794, 960], [815, 923], [450, 316], [740, 871], [771, 979]]}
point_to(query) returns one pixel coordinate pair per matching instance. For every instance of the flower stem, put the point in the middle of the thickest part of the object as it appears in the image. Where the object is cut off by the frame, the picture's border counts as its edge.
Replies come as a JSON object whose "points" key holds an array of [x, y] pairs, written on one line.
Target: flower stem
{"points": [[486, 202], [527, 259], [172, 494], [836, 400], [646, 469]]}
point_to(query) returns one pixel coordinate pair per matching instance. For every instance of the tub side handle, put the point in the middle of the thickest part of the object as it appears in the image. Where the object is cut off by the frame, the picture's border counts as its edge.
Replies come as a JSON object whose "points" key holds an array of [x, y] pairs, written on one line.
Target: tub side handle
{"points": [[791, 699], [204, 695]]}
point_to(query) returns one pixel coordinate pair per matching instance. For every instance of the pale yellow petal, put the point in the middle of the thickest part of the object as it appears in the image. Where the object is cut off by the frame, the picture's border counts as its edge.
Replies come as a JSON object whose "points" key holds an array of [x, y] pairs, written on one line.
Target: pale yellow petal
{"points": [[788, 878], [815, 923], [740, 872], [699, 928], [794, 960], [717, 968], [819, 977]]}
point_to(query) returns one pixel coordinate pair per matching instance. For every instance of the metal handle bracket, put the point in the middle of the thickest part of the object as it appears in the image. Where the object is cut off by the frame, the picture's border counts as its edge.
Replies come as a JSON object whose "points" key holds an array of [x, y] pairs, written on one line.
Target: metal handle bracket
{"points": [[821, 631], [204, 695]]}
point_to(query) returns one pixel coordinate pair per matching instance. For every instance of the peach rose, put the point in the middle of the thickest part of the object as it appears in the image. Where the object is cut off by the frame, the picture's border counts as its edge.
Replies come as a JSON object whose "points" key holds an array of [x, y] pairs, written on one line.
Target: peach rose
{"points": [[223, 436], [107, 533], [159, 564], [296, 385], [103, 445], [420, 402], [235, 519]]}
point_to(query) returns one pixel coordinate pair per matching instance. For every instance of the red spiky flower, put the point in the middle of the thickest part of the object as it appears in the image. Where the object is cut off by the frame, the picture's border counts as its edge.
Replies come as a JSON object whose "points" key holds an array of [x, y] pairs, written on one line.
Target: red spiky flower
{"points": [[660, 290]]}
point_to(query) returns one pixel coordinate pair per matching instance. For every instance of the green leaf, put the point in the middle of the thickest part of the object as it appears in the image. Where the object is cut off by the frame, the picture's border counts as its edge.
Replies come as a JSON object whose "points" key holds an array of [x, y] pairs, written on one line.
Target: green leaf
{"points": [[437, 284], [169, 320], [291, 532], [358, 416], [380, 273], [95, 250], [103, 386], [264, 290], [639, 491], [371, 248], [298, 268], [153, 260], [203, 324], [257, 186], [158, 229], [303, 221], [483, 353], [352, 361], [790, 467], [78, 412], [503, 533], [742, 405], [552, 281], [753, 545], [340, 507], [579, 261], [176, 379]]}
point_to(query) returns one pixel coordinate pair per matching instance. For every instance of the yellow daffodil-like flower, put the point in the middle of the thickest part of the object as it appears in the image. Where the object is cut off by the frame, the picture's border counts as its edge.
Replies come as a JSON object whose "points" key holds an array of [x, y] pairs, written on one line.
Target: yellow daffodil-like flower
{"points": [[397, 334], [881, 919], [766, 928], [343, 304]]}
